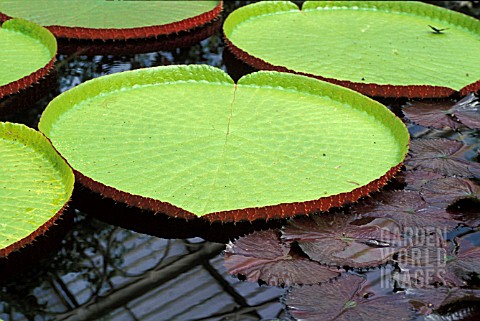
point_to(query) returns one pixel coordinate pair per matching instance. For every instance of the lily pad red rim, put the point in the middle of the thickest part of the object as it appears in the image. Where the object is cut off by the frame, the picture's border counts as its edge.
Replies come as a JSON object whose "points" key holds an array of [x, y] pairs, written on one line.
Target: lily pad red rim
{"points": [[276, 211], [131, 33], [370, 89], [46, 38], [138, 46], [38, 141], [28, 239]]}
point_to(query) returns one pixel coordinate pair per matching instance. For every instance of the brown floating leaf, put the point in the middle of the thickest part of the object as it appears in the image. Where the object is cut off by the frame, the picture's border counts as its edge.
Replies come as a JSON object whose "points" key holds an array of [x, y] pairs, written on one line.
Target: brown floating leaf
{"points": [[423, 267], [443, 156], [408, 209], [467, 111], [467, 211], [414, 180], [465, 263], [427, 301], [346, 299], [446, 191], [431, 114], [424, 264], [335, 239], [261, 256]]}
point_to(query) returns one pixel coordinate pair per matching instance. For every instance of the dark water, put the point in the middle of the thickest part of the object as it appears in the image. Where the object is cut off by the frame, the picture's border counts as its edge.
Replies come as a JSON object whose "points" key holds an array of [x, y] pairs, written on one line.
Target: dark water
{"points": [[135, 267]]}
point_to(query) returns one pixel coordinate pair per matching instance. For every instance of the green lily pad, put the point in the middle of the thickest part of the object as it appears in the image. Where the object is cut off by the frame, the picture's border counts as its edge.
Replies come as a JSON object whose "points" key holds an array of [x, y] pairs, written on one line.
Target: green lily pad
{"points": [[35, 185], [188, 141], [380, 48], [27, 53], [100, 19]]}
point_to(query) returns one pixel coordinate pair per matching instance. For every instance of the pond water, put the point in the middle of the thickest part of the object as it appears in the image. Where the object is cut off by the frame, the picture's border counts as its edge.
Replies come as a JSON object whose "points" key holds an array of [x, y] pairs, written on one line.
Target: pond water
{"points": [[105, 261]]}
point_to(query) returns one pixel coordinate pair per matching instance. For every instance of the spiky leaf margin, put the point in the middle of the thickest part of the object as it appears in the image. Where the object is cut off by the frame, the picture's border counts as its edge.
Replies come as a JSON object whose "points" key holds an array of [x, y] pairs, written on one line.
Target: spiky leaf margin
{"points": [[268, 8], [130, 33], [280, 81], [22, 191], [44, 38]]}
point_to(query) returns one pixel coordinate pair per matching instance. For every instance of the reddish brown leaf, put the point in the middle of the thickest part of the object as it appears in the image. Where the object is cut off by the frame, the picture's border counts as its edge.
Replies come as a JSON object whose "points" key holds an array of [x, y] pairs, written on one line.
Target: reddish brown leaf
{"points": [[446, 191], [261, 256], [443, 156], [432, 114], [468, 212], [467, 111], [464, 263], [425, 263], [427, 301], [415, 179], [442, 114], [336, 239], [346, 299], [408, 209]]}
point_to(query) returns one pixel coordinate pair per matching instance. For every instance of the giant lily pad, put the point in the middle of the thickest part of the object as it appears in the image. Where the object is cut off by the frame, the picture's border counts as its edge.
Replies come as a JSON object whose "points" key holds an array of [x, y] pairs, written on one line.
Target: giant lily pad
{"points": [[35, 185], [27, 53], [189, 142], [380, 48], [99, 19]]}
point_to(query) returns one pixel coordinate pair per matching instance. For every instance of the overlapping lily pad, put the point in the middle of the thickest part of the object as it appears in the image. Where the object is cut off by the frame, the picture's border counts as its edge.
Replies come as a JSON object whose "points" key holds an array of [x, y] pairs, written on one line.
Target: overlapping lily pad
{"points": [[261, 256], [380, 48], [464, 264], [189, 142], [432, 114], [415, 179], [339, 240], [443, 156], [432, 261], [467, 111], [346, 299], [443, 192], [422, 265], [27, 53], [98, 19], [35, 185], [408, 209], [441, 302], [464, 113]]}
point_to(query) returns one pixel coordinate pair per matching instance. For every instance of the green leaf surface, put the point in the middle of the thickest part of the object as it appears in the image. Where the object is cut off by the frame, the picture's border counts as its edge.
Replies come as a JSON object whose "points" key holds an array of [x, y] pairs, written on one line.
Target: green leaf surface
{"points": [[104, 14], [35, 185], [190, 137], [366, 42], [25, 48]]}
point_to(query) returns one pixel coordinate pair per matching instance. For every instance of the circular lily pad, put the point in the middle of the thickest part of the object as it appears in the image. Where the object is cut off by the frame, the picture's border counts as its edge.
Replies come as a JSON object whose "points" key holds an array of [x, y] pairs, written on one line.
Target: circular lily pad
{"points": [[188, 141], [27, 53], [35, 185], [380, 48], [106, 20]]}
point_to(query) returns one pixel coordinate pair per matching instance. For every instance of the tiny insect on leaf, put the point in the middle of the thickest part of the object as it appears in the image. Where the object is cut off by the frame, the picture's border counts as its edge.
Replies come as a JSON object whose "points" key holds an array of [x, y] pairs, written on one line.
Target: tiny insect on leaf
{"points": [[436, 30]]}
